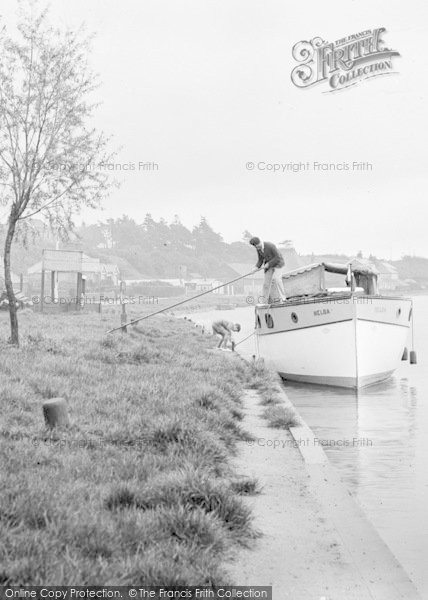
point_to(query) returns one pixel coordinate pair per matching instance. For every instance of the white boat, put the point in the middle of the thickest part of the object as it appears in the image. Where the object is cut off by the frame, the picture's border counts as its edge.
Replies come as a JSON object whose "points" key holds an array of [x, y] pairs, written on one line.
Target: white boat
{"points": [[341, 336]]}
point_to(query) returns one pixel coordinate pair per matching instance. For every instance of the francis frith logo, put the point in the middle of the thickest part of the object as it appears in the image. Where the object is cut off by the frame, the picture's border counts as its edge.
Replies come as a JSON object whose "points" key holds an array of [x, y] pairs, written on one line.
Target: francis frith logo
{"points": [[342, 63]]}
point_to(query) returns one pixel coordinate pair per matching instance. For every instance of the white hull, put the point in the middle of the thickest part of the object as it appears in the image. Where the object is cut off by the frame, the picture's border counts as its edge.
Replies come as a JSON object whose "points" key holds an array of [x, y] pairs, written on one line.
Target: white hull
{"points": [[348, 344]]}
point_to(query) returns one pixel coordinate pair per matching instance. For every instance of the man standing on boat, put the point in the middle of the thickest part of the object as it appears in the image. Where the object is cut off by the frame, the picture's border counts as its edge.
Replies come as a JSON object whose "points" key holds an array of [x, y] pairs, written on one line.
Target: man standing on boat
{"points": [[273, 261]]}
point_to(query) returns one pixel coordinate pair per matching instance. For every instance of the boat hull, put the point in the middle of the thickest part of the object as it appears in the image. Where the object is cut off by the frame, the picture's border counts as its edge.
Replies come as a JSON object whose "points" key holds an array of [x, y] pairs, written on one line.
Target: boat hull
{"points": [[347, 342]]}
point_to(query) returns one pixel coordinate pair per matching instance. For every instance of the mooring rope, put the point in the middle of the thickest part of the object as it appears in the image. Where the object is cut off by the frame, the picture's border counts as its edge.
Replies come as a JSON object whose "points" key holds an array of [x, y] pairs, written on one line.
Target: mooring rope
{"points": [[246, 338], [157, 312]]}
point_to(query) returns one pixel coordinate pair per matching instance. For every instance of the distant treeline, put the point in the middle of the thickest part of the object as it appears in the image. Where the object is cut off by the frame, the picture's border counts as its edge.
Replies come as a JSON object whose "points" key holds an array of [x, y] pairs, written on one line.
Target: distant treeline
{"points": [[152, 248], [161, 249]]}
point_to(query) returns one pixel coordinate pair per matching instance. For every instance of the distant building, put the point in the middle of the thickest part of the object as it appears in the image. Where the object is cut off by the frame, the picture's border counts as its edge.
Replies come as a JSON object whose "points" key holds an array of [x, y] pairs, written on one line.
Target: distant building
{"points": [[364, 263], [251, 285], [61, 270], [191, 287], [110, 271], [388, 276], [198, 285], [89, 265]]}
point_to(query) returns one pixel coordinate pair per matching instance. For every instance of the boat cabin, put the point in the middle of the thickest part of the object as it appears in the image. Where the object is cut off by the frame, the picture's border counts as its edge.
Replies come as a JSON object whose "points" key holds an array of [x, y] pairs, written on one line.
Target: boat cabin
{"points": [[324, 278]]}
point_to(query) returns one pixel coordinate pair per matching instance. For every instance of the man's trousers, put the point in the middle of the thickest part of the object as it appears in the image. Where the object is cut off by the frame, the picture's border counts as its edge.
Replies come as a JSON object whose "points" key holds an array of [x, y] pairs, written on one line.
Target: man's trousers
{"points": [[273, 289]]}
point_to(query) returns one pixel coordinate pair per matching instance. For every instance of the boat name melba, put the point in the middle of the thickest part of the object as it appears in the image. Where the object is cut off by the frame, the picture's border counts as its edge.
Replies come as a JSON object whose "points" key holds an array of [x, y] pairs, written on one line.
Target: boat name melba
{"points": [[321, 311]]}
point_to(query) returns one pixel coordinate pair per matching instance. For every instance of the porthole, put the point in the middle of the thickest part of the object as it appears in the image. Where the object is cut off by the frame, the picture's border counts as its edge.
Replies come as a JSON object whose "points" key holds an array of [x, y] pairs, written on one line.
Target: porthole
{"points": [[294, 317], [269, 320]]}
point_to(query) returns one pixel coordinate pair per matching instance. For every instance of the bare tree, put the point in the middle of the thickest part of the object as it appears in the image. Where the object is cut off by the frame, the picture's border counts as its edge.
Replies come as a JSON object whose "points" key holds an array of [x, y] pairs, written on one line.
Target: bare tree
{"points": [[51, 160]]}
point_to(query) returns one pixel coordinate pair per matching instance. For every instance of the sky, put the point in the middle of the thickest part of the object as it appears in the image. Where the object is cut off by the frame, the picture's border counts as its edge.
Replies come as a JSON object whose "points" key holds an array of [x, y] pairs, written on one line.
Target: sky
{"points": [[203, 87]]}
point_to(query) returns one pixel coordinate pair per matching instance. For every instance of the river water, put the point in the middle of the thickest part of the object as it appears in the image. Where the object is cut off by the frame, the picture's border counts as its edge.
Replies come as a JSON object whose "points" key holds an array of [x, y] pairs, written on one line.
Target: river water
{"points": [[376, 438]]}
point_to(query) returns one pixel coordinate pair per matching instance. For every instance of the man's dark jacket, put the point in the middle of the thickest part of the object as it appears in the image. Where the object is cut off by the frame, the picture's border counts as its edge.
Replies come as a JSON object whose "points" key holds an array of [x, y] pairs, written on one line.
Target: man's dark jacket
{"points": [[270, 257]]}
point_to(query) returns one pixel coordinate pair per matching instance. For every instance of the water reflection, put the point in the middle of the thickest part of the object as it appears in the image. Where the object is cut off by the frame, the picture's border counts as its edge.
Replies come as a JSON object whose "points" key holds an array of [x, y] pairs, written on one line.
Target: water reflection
{"points": [[378, 464], [376, 422]]}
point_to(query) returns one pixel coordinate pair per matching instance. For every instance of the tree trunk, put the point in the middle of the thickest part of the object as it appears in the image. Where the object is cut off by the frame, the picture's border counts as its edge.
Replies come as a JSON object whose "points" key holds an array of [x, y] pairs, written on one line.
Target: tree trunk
{"points": [[14, 336]]}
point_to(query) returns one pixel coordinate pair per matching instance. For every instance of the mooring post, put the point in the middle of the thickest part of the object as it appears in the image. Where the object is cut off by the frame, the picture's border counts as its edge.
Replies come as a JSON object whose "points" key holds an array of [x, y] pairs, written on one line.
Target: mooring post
{"points": [[53, 290], [79, 288], [124, 318], [55, 412], [42, 291]]}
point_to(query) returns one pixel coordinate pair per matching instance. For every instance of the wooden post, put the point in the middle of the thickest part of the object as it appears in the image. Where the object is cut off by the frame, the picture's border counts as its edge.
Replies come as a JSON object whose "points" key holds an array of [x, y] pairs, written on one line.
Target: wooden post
{"points": [[124, 318], [53, 286], [79, 288], [42, 292], [83, 293], [55, 412]]}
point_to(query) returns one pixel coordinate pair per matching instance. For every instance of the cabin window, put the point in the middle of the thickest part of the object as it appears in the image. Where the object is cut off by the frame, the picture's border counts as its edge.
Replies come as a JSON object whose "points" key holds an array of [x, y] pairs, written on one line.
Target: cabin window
{"points": [[269, 320], [294, 317], [258, 322], [398, 313], [410, 313]]}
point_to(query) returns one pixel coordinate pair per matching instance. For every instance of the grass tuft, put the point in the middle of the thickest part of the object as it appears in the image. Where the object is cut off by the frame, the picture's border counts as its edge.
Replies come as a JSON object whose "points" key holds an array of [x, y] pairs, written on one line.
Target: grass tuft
{"points": [[191, 491], [246, 486], [281, 417], [270, 399], [123, 497], [193, 527]]}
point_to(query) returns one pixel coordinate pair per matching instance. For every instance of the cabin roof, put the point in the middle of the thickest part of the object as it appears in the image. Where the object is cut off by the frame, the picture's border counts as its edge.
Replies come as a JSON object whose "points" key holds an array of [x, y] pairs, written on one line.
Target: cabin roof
{"points": [[341, 268]]}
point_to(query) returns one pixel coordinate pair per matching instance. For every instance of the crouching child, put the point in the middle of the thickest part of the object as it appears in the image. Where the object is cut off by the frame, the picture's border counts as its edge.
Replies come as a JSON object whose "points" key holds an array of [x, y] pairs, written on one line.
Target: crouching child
{"points": [[225, 329]]}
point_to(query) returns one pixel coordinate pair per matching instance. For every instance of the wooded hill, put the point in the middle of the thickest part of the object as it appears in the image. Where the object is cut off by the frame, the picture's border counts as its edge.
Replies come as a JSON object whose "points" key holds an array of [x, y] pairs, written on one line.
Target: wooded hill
{"points": [[152, 248], [157, 249]]}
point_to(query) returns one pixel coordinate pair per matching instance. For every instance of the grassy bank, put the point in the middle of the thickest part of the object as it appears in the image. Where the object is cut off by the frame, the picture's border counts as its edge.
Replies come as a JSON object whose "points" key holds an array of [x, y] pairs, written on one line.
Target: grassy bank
{"points": [[138, 489]]}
